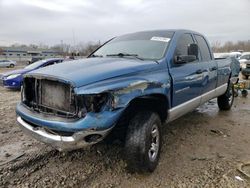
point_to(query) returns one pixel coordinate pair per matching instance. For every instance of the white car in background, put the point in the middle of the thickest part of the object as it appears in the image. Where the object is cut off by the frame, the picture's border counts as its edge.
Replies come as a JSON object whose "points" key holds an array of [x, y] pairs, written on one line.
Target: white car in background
{"points": [[235, 54], [243, 59], [7, 63]]}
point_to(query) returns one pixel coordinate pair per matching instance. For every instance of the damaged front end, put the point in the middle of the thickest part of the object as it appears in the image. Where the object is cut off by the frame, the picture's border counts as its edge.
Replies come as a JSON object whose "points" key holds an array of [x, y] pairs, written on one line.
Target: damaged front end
{"points": [[49, 97], [52, 112], [57, 98], [67, 117]]}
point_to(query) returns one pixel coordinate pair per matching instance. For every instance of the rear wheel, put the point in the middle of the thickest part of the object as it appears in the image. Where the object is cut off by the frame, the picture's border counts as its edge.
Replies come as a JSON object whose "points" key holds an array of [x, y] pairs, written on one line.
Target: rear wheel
{"points": [[226, 100], [236, 94], [245, 77], [143, 142], [244, 93]]}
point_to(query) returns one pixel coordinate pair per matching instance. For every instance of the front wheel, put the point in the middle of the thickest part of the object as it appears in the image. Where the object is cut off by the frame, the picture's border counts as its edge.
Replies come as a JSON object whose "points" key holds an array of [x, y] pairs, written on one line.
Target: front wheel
{"points": [[143, 142], [226, 100], [12, 65]]}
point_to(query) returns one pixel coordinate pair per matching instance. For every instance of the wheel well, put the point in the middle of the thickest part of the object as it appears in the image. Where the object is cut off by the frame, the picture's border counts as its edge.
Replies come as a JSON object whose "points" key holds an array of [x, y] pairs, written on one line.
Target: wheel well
{"points": [[156, 102]]}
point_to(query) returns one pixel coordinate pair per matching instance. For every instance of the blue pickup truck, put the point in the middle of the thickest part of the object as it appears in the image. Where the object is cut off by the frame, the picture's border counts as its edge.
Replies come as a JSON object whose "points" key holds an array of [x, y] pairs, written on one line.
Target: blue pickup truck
{"points": [[127, 88]]}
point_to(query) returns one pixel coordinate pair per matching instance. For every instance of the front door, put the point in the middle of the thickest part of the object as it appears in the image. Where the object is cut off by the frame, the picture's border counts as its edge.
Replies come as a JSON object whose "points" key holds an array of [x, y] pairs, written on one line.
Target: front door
{"points": [[187, 77]]}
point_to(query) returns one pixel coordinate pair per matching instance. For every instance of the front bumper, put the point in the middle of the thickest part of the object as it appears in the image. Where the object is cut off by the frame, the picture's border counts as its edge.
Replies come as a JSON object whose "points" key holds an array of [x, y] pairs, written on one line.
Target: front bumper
{"points": [[63, 143], [11, 83], [79, 133]]}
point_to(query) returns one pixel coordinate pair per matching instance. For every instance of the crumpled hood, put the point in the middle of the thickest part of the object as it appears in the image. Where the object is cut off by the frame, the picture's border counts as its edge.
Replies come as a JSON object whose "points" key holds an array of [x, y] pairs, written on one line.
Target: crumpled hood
{"points": [[86, 71]]}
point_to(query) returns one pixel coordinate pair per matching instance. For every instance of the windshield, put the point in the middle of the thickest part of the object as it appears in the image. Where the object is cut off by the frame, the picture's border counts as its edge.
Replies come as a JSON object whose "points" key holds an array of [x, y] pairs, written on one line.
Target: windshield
{"points": [[146, 45], [36, 64]]}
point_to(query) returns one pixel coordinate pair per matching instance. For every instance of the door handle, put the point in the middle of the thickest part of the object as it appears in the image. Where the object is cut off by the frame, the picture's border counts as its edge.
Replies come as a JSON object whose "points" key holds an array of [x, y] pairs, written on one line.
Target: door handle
{"points": [[213, 69], [199, 71]]}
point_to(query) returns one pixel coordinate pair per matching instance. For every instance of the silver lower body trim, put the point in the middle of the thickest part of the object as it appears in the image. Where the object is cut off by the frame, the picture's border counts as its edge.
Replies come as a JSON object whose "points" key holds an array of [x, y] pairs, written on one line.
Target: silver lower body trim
{"points": [[190, 105]]}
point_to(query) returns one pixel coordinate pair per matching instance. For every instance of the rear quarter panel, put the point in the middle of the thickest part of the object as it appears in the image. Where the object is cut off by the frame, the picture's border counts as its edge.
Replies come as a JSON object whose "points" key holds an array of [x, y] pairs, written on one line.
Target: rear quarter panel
{"points": [[224, 71]]}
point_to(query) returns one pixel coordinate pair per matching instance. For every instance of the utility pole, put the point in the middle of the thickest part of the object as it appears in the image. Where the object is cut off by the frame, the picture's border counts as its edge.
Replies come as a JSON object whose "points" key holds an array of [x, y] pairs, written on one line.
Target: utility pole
{"points": [[74, 42], [62, 50]]}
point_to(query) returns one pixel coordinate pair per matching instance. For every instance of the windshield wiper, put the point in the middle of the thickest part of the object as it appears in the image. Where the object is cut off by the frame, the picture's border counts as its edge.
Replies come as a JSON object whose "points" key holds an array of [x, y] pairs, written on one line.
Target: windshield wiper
{"points": [[124, 55]]}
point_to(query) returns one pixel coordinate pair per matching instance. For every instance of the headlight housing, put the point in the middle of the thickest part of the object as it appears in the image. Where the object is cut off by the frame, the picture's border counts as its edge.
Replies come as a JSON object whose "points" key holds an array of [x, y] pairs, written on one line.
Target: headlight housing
{"points": [[92, 103], [12, 76], [244, 65]]}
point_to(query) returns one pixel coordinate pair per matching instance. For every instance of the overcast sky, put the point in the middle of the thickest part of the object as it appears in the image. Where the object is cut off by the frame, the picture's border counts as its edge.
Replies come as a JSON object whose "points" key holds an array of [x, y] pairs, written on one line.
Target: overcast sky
{"points": [[50, 21]]}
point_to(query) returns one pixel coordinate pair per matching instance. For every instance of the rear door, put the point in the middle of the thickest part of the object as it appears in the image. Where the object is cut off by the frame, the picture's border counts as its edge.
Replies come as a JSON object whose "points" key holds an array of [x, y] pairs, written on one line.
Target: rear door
{"points": [[187, 78], [209, 66]]}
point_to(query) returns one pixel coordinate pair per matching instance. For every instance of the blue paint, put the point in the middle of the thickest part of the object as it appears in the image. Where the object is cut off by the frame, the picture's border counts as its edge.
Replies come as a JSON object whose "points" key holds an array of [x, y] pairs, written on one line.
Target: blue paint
{"points": [[128, 78], [98, 121], [87, 71]]}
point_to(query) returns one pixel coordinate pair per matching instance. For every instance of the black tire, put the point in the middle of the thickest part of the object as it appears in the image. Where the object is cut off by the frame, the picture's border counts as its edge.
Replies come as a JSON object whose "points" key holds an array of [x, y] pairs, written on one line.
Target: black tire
{"points": [[12, 65], [245, 77], [236, 94], [244, 93], [226, 100], [143, 131]]}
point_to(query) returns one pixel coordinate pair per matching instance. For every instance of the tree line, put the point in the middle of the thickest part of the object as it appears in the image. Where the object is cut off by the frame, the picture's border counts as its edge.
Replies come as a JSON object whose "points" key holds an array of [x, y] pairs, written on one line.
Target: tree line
{"points": [[229, 46], [64, 49], [84, 49]]}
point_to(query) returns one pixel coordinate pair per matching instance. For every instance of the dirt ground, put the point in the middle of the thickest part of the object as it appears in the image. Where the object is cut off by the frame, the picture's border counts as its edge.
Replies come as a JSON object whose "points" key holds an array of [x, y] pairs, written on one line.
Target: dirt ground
{"points": [[200, 149]]}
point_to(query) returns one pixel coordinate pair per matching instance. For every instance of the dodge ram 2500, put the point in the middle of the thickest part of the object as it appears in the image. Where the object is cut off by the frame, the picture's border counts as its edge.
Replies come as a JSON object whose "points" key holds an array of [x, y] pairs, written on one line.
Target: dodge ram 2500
{"points": [[127, 88]]}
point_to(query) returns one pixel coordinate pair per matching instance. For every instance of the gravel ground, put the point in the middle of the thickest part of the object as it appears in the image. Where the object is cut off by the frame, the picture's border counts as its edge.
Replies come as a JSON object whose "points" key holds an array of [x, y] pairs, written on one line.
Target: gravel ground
{"points": [[200, 149]]}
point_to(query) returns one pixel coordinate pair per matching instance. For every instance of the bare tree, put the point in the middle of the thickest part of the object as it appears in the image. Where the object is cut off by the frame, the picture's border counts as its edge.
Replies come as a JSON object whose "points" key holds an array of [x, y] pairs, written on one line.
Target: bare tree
{"points": [[231, 46], [1, 51], [90, 47], [43, 46], [34, 46]]}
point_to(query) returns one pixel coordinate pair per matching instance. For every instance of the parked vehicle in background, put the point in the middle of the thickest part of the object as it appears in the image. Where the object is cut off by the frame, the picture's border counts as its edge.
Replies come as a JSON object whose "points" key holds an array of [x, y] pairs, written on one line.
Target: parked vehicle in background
{"points": [[7, 63], [243, 59], [127, 88], [226, 55], [35, 59], [14, 79], [235, 54], [245, 69]]}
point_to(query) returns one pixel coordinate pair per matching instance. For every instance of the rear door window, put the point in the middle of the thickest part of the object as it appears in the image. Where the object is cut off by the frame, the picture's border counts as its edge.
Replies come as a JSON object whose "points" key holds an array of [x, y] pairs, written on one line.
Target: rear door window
{"points": [[204, 49], [50, 63], [59, 61]]}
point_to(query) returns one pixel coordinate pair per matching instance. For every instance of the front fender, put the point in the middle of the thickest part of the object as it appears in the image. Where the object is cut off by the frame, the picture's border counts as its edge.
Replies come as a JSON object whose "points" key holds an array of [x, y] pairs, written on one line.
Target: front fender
{"points": [[125, 89]]}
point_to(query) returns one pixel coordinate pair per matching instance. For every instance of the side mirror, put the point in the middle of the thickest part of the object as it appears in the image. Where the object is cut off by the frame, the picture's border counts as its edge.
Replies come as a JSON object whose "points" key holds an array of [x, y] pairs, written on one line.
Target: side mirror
{"points": [[193, 50], [185, 59]]}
